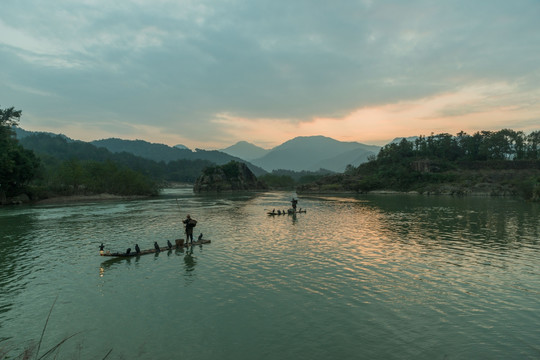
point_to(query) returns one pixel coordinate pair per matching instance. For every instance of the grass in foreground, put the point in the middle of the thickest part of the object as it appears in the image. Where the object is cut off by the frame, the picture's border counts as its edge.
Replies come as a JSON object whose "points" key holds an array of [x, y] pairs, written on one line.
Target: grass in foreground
{"points": [[32, 351]]}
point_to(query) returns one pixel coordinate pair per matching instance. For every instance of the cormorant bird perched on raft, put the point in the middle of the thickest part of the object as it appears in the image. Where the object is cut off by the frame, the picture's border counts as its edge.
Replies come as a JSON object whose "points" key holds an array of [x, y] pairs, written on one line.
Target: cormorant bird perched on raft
{"points": [[200, 237], [156, 246], [169, 245], [137, 249], [128, 251]]}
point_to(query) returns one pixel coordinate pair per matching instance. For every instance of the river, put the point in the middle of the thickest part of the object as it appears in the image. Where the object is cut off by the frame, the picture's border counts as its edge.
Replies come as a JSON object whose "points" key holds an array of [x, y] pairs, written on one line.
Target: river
{"points": [[355, 277]]}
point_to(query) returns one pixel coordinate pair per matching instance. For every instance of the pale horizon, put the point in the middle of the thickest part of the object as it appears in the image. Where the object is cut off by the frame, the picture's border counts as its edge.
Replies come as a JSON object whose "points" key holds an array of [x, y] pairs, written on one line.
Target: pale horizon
{"points": [[208, 74]]}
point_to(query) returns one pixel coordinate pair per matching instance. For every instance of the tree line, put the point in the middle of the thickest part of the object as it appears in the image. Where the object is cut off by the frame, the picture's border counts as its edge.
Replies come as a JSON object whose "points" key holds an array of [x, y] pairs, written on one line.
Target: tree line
{"points": [[290, 179], [18, 166], [505, 161], [44, 165], [55, 149], [505, 144]]}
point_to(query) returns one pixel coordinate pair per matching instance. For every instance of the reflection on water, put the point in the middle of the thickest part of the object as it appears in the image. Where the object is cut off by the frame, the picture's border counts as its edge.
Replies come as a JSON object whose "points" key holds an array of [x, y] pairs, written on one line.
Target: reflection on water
{"points": [[383, 276], [189, 261]]}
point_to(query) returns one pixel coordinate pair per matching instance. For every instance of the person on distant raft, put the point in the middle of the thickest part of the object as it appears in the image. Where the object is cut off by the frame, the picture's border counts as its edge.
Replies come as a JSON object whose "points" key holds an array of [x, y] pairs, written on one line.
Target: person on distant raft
{"points": [[190, 224], [294, 202]]}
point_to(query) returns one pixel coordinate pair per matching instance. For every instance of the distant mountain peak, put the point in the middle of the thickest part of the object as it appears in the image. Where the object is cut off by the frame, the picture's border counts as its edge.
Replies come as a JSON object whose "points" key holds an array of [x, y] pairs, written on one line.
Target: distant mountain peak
{"points": [[245, 150], [310, 140], [312, 153]]}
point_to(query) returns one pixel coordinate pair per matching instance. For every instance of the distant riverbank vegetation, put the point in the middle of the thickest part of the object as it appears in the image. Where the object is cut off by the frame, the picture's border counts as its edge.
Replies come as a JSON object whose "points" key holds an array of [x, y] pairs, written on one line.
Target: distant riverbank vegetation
{"points": [[504, 162], [46, 166], [289, 179]]}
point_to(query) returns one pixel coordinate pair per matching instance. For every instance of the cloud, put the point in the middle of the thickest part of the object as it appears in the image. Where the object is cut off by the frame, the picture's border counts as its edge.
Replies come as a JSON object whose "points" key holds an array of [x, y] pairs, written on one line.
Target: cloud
{"points": [[182, 67], [470, 109]]}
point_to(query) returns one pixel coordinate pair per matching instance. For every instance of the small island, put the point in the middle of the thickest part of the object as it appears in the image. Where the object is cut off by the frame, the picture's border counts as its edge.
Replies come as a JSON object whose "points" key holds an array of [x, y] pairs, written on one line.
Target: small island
{"points": [[233, 176]]}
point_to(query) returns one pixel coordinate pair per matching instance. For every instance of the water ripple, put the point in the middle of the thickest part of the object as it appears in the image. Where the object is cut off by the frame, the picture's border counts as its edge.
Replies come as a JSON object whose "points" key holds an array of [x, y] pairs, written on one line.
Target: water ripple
{"points": [[385, 277]]}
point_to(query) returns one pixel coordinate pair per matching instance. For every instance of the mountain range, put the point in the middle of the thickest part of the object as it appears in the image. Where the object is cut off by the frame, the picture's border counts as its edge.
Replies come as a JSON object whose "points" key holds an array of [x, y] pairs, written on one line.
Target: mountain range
{"points": [[312, 153], [162, 152], [303, 153]]}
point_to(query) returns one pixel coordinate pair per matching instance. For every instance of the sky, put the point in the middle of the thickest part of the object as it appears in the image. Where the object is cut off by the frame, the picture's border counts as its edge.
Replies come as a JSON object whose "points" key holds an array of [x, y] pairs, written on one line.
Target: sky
{"points": [[210, 73]]}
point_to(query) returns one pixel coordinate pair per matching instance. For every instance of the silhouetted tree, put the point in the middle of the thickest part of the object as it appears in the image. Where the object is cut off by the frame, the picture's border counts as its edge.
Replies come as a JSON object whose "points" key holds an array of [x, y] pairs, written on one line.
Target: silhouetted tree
{"points": [[18, 166]]}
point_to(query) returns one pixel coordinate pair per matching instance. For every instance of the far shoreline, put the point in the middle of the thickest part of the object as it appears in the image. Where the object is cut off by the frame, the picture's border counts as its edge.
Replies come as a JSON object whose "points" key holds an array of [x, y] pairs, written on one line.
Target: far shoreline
{"points": [[461, 194], [71, 199], [82, 198]]}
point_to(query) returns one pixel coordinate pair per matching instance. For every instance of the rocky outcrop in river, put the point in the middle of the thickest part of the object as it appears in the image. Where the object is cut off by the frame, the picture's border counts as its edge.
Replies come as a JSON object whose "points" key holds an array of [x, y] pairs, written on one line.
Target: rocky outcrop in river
{"points": [[233, 176]]}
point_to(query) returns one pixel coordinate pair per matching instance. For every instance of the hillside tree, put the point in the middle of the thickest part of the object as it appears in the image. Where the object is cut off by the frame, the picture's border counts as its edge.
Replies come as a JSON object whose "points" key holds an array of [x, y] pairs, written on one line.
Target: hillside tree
{"points": [[18, 166]]}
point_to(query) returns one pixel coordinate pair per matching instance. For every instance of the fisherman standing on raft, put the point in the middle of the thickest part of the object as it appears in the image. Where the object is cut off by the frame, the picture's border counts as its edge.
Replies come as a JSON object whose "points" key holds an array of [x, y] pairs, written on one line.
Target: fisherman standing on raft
{"points": [[294, 202], [190, 224]]}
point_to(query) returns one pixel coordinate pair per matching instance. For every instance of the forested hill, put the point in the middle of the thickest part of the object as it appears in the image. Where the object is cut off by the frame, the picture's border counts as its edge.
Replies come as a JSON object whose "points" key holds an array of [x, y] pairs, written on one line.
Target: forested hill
{"points": [[56, 148], [504, 162], [162, 152], [152, 151]]}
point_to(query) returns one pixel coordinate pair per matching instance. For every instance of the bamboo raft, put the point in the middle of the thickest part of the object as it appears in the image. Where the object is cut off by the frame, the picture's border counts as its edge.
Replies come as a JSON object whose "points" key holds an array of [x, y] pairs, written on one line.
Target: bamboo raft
{"points": [[179, 244], [288, 212]]}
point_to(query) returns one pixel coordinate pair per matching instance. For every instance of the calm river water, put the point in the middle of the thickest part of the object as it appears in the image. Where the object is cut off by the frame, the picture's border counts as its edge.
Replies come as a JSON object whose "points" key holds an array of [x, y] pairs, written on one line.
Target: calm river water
{"points": [[356, 277]]}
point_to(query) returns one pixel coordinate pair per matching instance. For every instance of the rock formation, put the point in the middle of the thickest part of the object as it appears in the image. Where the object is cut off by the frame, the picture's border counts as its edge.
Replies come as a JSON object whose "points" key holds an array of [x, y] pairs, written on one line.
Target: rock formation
{"points": [[233, 176]]}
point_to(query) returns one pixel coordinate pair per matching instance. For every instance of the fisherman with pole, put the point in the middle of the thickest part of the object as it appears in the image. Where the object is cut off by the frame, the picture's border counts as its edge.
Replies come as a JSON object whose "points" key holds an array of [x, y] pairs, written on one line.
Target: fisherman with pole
{"points": [[190, 224]]}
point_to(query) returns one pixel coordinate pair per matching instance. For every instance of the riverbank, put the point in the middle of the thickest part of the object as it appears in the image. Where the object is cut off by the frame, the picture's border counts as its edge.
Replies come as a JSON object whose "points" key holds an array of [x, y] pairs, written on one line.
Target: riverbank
{"points": [[523, 184], [82, 198], [24, 199], [441, 191]]}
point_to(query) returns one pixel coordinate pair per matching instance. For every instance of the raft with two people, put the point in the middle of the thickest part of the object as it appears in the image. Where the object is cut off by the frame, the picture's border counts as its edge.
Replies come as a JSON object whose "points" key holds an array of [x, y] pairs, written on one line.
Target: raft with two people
{"points": [[179, 244]]}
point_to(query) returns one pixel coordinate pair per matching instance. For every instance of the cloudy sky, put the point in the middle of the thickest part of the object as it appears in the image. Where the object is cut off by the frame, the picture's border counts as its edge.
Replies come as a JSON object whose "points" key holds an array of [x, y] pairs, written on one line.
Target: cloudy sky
{"points": [[209, 73]]}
